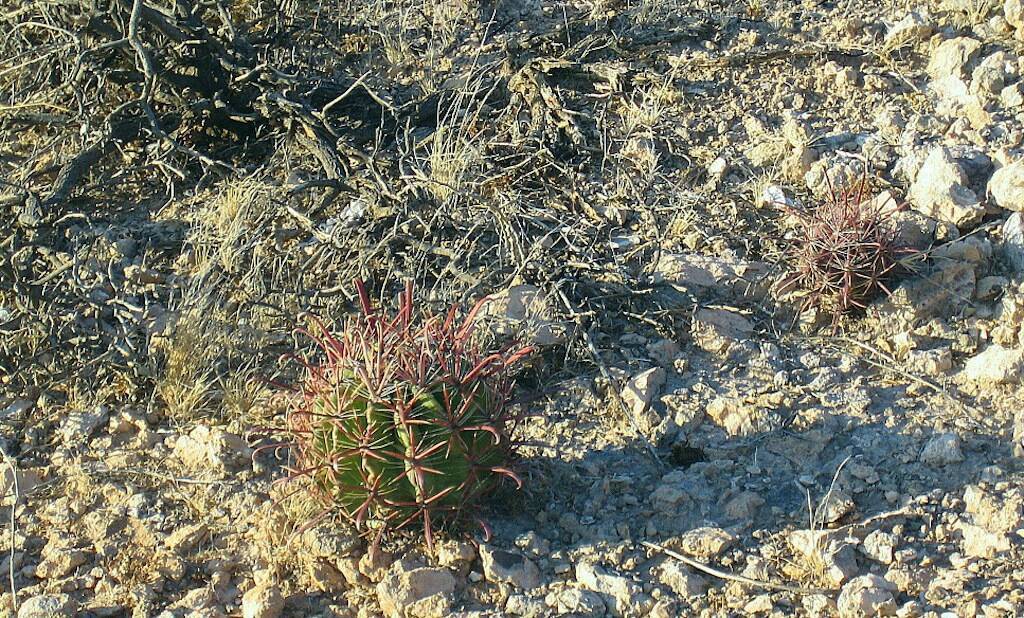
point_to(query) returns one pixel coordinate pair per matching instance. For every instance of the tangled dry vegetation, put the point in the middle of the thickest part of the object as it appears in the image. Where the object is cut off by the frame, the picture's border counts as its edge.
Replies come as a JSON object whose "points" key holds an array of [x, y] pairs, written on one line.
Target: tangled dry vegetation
{"points": [[245, 159]]}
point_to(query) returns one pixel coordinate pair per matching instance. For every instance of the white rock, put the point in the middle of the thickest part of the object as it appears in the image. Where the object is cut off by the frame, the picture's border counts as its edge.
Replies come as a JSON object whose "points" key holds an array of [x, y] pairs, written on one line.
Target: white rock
{"points": [[715, 330], [1007, 186], [879, 546], [580, 602], [943, 449], [523, 311], [212, 448], [995, 365], [828, 549], [718, 168], [994, 72], [775, 196], [78, 427], [914, 27], [663, 351], [940, 191], [952, 56], [981, 543], [47, 606], [638, 394], [1013, 241], [509, 568], [737, 416], [725, 277], [865, 597], [622, 589], [705, 543], [262, 601], [819, 605], [1012, 96], [1013, 11], [681, 580], [406, 584], [996, 511]]}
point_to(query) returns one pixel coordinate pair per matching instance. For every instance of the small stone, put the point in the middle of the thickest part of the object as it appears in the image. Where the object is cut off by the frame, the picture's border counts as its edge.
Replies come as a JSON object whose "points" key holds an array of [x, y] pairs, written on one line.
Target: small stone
{"points": [[819, 605], [940, 191], [47, 606], [942, 450], [995, 365], [373, 565], [681, 580], [731, 278], [406, 584], [1018, 434], [996, 511], [509, 568], [737, 416], [454, 553], [78, 427], [990, 287], [528, 607], [795, 166], [913, 28], [523, 311], [262, 601], [1012, 96], [761, 604], [743, 506], [187, 538], [670, 493], [993, 73], [663, 351], [638, 394], [1013, 11], [879, 546], [718, 168], [952, 56], [1013, 241], [621, 589], [705, 543], [580, 602], [60, 562], [28, 479], [839, 504], [18, 407], [847, 78], [1007, 186], [910, 609], [865, 597], [212, 448], [828, 550], [981, 543], [715, 330], [931, 362]]}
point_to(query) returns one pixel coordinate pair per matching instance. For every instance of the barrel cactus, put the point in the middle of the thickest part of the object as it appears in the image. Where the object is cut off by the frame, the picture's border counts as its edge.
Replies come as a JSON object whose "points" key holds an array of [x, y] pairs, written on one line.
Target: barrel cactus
{"points": [[402, 420], [846, 251]]}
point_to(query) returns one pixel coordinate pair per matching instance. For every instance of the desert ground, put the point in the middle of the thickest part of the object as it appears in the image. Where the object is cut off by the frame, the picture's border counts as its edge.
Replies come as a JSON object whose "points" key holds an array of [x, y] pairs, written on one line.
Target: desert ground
{"points": [[633, 185]]}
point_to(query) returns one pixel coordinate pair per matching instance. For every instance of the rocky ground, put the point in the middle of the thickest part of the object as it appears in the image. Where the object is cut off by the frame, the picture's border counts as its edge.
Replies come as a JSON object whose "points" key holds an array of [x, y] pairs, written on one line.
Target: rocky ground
{"points": [[694, 444]]}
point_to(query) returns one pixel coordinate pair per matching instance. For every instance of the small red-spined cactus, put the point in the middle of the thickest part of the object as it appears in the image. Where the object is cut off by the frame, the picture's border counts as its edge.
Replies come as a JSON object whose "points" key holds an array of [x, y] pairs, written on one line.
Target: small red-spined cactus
{"points": [[846, 249], [402, 420]]}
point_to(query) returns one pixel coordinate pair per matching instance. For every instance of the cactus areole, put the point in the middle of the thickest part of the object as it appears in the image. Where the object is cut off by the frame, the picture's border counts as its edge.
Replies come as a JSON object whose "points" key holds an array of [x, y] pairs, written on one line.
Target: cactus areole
{"points": [[403, 421]]}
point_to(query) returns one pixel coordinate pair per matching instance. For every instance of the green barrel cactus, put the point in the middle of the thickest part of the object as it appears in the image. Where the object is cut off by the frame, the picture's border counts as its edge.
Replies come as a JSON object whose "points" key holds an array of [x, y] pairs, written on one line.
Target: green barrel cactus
{"points": [[402, 421]]}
